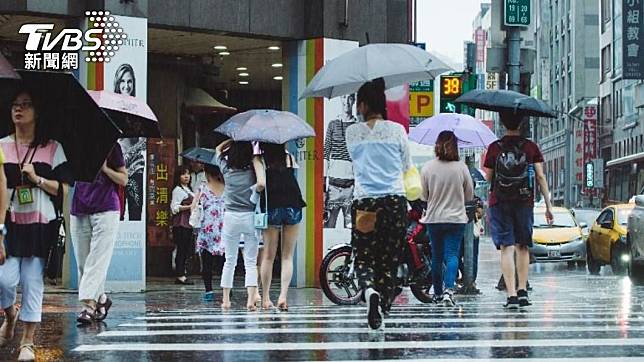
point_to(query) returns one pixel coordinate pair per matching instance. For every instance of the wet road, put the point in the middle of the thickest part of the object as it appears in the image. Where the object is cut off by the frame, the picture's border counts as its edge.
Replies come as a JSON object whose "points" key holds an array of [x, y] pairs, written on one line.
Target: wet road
{"points": [[575, 317]]}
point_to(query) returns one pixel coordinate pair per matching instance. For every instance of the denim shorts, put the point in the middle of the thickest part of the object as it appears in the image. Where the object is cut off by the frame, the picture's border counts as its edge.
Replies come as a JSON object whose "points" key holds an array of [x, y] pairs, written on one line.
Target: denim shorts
{"points": [[284, 216], [511, 225]]}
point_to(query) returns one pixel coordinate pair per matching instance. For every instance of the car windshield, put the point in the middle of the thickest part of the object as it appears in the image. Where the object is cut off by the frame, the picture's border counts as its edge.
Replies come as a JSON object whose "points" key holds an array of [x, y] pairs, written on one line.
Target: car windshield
{"points": [[622, 216], [562, 220]]}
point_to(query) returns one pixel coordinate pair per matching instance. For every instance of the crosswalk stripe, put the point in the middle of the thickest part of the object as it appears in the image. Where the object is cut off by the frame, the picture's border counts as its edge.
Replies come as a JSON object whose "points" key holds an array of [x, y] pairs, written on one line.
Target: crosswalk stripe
{"points": [[393, 316], [267, 331], [291, 346], [389, 321], [428, 312]]}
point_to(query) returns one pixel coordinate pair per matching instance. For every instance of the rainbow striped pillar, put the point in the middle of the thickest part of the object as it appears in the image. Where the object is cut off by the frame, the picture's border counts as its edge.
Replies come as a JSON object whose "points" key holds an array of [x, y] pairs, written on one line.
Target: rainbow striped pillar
{"points": [[302, 59]]}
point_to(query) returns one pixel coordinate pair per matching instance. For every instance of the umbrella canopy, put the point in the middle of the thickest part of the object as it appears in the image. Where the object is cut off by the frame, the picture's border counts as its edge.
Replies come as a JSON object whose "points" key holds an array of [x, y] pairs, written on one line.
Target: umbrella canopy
{"points": [[133, 116], [6, 69], [506, 101], [199, 154], [397, 64], [199, 102], [71, 117], [266, 125], [471, 132]]}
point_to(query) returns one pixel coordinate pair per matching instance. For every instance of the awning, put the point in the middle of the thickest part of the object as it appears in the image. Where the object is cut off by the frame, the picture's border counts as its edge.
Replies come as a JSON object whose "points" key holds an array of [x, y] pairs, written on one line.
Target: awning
{"points": [[626, 159], [199, 101]]}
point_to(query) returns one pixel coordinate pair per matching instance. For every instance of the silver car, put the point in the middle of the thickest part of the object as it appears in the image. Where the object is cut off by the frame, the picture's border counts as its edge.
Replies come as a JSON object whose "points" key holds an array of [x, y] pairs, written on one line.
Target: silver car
{"points": [[635, 240]]}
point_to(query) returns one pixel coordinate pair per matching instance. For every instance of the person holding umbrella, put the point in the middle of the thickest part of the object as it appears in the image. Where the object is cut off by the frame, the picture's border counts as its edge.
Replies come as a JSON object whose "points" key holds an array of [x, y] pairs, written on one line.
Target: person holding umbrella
{"points": [[380, 153], [95, 214], [241, 171], [284, 207], [511, 165], [37, 177], [209, 244]]}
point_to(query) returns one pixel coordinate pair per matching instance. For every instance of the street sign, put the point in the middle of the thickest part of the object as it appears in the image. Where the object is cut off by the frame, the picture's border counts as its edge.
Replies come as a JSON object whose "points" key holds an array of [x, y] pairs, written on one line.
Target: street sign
{"points": [[421, 104], [599, 173], [590, 175], [516, 13]]}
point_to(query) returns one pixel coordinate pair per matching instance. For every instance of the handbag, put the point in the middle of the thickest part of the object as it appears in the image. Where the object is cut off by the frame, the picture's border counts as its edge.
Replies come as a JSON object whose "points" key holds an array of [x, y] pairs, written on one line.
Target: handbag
{"points": [[261, 218], [54, 261], [413, 187], [195, 216]]}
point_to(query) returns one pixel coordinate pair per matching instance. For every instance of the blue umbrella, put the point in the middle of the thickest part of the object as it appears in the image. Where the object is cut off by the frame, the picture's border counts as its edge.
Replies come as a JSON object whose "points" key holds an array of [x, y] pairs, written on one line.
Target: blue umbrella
{"points": [[266, 125], [500, 100]]}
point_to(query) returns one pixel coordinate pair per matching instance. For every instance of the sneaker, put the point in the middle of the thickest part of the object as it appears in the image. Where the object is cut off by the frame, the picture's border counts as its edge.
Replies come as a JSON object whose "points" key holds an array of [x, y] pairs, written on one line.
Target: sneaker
{"points": [[448, 299], [522, 296], [374, 313], [437, 299], [512, 303], [209, 296]]}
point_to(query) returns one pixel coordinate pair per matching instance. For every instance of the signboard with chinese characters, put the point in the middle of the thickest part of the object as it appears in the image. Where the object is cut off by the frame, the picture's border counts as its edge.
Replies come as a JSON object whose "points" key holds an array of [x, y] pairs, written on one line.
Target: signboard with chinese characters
{"points": [[421, 101], [633, 39], [161, 165], [516, 13], [590, 137]]}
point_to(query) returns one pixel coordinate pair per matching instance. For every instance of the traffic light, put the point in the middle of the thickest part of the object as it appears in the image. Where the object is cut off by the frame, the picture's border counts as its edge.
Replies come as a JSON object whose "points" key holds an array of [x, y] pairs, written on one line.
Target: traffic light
{"points": [[451, 88]]}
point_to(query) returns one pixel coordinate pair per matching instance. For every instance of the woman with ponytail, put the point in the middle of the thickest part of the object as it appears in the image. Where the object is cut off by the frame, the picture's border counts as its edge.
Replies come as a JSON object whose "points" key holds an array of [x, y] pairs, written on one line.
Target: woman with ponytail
{"points": [[380, 152]]}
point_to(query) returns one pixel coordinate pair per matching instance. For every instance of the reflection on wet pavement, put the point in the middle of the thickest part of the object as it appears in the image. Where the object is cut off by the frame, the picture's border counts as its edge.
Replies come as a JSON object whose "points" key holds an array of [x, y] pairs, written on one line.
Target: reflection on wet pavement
{"points": [[575, 317]]}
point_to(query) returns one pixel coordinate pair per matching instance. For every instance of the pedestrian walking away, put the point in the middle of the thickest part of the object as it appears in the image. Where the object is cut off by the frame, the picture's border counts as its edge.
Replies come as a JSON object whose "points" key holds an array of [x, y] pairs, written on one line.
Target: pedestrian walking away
{"points": [[446, 186], [512, 164], [210, 203], [284, 207], [197, 175], [37, 173], [380, 152], [242, 171], [181, 205], [95, 214]]}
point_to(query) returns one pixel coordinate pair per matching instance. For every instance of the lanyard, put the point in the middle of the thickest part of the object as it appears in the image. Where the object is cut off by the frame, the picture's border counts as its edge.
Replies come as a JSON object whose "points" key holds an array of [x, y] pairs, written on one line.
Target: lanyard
{"points": [[24, 159]]}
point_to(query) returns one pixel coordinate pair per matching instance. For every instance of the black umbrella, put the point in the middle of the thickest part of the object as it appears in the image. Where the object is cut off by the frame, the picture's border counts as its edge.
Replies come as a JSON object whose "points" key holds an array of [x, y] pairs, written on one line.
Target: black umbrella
{"points": [[199, 154], [506, 101], [71, 117]]}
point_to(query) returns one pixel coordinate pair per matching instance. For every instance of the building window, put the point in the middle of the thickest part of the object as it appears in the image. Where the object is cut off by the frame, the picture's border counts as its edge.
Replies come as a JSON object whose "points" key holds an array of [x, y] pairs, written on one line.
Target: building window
{"points": [[606, 13], [606, 63], [606, 111]]}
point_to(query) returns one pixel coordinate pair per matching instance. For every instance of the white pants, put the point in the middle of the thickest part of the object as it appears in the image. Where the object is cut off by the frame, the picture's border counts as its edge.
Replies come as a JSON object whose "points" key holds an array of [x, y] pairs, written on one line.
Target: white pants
{"points": [[238, 225], [29, 272], [93, 237]]}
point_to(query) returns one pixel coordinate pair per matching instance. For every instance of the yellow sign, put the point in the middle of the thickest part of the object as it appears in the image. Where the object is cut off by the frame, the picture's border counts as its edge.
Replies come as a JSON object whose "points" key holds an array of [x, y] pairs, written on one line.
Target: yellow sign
{"points": [[421, 104]]}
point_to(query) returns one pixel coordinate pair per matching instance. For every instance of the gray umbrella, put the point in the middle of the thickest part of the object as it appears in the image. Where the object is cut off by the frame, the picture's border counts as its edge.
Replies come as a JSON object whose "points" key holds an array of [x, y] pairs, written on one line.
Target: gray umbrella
{"points": [[199, 154], [507, 101], [266, 125]]}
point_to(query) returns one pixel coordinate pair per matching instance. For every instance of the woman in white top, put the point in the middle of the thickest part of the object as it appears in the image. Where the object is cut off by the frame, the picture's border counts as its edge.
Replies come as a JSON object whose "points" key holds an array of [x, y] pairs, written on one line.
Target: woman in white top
{"points": [[380, 153], [180, 206]]}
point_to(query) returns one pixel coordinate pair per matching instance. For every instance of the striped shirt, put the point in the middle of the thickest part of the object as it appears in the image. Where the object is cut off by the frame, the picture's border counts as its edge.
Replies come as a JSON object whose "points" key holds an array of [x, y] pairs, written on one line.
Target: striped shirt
{"points": [[29, 231], [336, 155]]}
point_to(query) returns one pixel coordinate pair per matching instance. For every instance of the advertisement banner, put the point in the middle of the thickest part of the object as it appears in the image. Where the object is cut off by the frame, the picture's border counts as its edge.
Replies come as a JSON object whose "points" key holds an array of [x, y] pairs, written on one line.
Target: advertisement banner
{"points": [[339, 113], [126, 73], [590, 134], [633, 38], [480, 37], [161, 164]]}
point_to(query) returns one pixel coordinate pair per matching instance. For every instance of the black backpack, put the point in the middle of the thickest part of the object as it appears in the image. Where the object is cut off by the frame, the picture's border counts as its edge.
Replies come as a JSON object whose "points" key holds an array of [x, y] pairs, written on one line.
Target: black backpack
{"points": [[512, 173]]}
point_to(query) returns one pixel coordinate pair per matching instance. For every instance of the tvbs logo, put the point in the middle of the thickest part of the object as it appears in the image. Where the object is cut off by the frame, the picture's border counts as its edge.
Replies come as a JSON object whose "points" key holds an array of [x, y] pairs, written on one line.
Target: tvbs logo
{"points": [[100, 41], [70, 40]]}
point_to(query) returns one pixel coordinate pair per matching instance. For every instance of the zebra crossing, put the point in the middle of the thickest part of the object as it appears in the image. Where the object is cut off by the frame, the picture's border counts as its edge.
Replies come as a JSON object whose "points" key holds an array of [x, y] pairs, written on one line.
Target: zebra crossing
{"points": [[568, 329]]}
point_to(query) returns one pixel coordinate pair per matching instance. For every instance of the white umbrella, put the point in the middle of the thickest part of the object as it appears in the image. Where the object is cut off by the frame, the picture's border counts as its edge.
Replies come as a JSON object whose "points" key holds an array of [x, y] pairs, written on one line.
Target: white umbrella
{"points": [[266, 125], [397, 64]]}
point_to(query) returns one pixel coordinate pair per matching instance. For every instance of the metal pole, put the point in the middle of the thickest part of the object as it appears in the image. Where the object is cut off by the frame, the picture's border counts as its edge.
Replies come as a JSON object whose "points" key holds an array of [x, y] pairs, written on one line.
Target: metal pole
{"points": [[514, 58], [468, 258]]}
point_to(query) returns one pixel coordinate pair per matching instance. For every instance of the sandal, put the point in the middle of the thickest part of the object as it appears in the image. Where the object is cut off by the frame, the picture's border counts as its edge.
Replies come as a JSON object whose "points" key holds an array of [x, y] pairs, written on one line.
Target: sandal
{"points": [[100, 316], [6, 340], [86, 317], [283, 307], [27, 353]]}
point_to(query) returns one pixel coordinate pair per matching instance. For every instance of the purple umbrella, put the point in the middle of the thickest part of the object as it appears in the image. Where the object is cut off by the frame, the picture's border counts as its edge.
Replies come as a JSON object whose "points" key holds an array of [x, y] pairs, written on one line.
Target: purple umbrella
{"points": [[133, 116], [471, 132]]}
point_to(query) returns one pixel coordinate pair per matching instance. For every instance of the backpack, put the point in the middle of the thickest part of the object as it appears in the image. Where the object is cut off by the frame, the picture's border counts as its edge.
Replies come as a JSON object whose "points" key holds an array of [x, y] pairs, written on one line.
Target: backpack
{"points": [[512, 173]]}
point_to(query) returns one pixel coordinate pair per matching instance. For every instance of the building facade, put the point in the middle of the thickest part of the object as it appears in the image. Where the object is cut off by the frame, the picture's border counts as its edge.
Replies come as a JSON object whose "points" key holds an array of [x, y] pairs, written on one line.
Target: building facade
{"points": [[621, 107], [566, 77]]}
